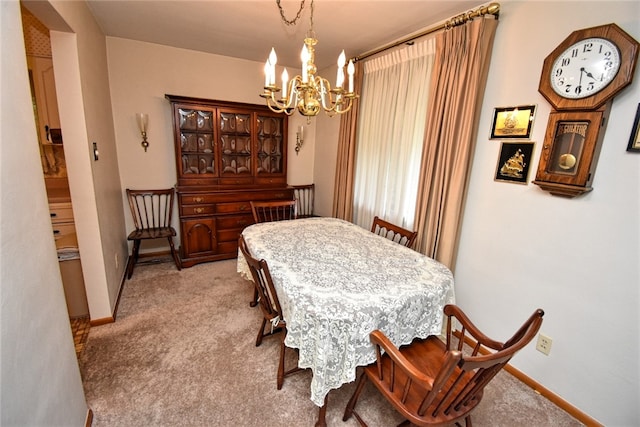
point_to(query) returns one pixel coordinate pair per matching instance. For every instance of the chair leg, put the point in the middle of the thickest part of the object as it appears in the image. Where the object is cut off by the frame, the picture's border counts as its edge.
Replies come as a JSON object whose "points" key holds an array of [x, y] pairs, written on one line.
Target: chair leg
{"points": [[254, 301], [133, 259], [174, 253], [261, 333], [354, 399], [281, 363]]}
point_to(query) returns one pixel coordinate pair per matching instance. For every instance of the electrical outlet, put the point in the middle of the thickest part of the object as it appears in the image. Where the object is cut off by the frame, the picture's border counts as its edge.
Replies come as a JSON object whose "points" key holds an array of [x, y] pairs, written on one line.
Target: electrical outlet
{"points": [[544, 344]]}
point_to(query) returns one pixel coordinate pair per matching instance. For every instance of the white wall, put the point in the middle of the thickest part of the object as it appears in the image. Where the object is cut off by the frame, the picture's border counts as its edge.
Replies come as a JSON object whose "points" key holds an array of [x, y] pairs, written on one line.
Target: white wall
{"points": [[41, 383], [522, 248]]}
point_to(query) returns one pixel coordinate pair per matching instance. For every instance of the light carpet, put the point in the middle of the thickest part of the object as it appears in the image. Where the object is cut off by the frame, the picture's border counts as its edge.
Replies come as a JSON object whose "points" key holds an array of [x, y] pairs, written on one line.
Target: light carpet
{"points": [[182, 353]]}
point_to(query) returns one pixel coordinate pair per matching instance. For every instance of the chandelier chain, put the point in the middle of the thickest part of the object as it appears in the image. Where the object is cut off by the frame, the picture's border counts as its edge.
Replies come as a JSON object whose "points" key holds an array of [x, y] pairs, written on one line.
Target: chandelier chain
{"points": [[294, 20]]}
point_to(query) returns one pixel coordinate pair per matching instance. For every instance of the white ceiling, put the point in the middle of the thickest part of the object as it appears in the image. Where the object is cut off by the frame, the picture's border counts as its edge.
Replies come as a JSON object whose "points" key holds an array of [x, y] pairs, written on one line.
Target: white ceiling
{"points": [[248, 29]]}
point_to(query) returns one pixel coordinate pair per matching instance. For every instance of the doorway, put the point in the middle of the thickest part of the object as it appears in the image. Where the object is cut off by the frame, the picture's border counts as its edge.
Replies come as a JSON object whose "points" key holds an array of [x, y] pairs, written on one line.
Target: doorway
{"points": [[50, 138]]}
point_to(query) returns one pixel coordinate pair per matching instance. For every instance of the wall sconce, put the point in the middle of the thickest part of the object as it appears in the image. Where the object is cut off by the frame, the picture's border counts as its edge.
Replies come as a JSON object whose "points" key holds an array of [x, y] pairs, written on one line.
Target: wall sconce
{"points": [[299, 139], [143, 122]]}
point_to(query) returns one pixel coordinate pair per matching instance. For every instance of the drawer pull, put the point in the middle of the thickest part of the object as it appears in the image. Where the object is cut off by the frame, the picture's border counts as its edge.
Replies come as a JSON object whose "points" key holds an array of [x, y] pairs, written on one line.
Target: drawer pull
{"points": [[53, 215], [198, 210], [198, 199], [244, 207], [56, 231], [279, 195]]}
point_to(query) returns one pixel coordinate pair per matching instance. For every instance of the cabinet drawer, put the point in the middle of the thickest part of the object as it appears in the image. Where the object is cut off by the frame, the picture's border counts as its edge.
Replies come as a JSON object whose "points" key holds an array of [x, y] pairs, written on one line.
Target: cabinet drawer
{"points": [[278, 194], [236, 181], [233, 221], [236, 207], [61, 212], [62, 230], [197, 199], [270, 181], [192, 210]]}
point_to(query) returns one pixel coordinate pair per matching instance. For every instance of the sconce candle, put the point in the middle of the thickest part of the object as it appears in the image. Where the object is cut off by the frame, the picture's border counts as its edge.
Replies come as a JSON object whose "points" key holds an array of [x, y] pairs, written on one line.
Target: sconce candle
{"points": [[143, 122]]}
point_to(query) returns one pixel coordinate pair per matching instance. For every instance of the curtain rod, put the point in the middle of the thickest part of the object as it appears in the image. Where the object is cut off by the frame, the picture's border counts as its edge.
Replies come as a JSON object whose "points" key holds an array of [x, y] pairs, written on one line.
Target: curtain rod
{"points": [[491, 9]]}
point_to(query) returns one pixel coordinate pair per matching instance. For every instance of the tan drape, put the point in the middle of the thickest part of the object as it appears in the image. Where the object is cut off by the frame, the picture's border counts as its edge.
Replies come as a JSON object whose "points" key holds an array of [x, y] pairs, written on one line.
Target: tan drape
{"points": [[457, 89], [345, 162]]}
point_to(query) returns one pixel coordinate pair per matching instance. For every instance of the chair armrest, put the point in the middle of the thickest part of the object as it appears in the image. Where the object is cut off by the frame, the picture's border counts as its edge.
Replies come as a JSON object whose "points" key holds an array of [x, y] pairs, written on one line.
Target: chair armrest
{"points": [[451, 310], [380, 340]]}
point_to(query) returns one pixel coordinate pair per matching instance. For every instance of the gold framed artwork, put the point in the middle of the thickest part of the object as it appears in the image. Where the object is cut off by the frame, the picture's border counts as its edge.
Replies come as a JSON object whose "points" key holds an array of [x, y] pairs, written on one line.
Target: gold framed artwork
{"points": [[634, 139], [514, 161], [513, 122]]}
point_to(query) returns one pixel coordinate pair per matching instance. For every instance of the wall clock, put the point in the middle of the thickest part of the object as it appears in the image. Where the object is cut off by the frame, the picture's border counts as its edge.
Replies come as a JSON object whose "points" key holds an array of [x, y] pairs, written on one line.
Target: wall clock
{"points": [[579, 79]]}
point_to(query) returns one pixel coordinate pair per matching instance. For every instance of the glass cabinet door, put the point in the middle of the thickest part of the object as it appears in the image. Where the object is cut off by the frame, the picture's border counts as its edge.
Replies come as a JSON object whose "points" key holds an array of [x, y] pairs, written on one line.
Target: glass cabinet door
{"points": [[197, 142], [270, 156], [235, 141]]}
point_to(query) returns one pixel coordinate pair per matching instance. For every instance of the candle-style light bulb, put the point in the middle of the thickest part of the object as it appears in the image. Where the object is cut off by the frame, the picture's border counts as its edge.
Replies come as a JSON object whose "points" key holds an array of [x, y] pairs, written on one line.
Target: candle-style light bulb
{"points": [[273, 58], [340, 77], [285, 81], [351, 70], [267, 72], [304, 56]]}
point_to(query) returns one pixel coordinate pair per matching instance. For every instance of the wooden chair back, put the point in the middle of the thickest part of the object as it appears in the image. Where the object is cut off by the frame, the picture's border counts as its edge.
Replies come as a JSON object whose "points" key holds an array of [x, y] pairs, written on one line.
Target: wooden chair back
{"points": [[274, 210], [270, 306], [431, 382], [151, 211], [304, 195], [267, 296], [393, 232]]}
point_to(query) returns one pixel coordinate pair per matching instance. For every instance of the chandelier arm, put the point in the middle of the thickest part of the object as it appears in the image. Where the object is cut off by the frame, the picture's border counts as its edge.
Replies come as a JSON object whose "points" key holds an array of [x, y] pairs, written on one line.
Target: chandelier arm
{"points": [[325, 93], [282, 105]]}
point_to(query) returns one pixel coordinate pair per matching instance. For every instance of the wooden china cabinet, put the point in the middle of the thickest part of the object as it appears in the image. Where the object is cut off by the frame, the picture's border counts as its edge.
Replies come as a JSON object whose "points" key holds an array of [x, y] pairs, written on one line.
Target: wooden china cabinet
{"points": [[227, 154]]}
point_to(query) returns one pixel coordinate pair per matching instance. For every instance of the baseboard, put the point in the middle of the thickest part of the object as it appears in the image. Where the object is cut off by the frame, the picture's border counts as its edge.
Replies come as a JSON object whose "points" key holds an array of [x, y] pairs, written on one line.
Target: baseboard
{"points": [[89, 419], [102, 321], [542, 390]]}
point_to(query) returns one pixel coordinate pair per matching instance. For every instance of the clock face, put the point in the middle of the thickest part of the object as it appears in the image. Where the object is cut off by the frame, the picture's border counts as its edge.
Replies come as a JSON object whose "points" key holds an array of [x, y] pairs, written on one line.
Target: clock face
{"points": [[585, 68]]}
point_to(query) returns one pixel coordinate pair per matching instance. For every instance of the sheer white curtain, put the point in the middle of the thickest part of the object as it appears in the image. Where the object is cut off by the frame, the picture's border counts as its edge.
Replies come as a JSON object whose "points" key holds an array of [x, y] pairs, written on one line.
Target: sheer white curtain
{"points": [[390, 135]]}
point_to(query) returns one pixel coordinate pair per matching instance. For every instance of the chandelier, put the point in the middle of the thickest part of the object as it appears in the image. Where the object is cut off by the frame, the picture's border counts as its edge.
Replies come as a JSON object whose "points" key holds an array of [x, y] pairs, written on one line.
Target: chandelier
{"points": [[308, 92]]}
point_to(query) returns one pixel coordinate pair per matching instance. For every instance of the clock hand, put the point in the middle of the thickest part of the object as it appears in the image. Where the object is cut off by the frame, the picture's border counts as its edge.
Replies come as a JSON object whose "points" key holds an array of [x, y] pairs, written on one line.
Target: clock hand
{"points": [[579, 88], [587, 73]]}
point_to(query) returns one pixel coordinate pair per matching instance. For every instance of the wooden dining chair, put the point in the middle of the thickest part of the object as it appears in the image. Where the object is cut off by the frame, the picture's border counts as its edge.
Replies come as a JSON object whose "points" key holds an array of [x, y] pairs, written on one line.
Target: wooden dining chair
{"points": [[304, 195], [393, 232], [431, 382], [269, 303], [273, 210], [151, 211]]}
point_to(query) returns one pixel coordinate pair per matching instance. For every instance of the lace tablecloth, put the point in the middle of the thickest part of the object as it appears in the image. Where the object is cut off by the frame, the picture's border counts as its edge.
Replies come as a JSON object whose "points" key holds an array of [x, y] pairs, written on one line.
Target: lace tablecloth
{"points": [[337, 282]]}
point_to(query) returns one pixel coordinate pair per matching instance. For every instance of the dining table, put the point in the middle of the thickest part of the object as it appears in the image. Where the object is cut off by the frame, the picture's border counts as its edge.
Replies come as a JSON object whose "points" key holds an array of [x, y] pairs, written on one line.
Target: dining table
{"points": [[337, 282]]}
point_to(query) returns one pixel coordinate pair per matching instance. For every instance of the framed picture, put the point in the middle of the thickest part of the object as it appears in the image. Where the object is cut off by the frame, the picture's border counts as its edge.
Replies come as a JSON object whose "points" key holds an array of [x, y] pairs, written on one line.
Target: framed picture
{"points": [[513, 122], [634, 139], [514, 161]]}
